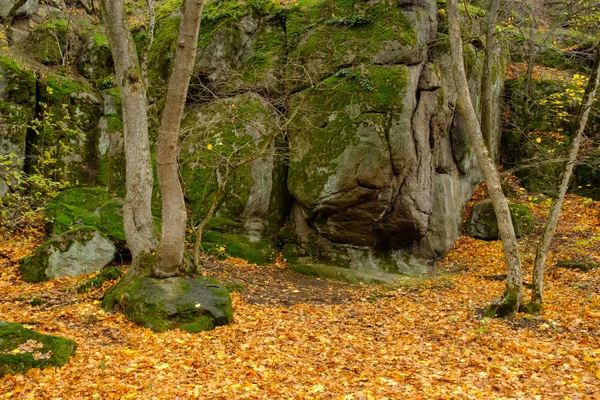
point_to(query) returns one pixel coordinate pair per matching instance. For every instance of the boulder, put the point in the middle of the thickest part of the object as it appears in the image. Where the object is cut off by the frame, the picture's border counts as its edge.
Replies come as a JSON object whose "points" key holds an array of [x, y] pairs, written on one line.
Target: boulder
{"points": [[79, 251], [241, 47], [324, 36], [22, 349], [95, 58], [190, 304], [48, 42], [17, 105], [223, 133], [87, 207], [71, 110], [483, 223], [8, 9]]}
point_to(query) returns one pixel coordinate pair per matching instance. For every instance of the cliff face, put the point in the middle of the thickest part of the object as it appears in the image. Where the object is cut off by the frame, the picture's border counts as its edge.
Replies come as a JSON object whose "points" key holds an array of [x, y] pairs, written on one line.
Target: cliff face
{"points": [[364, 157]]}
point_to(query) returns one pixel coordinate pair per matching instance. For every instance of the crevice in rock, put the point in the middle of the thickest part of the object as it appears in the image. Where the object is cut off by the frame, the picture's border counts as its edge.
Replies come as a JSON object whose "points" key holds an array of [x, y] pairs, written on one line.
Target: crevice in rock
{"points": [[31, 133]]}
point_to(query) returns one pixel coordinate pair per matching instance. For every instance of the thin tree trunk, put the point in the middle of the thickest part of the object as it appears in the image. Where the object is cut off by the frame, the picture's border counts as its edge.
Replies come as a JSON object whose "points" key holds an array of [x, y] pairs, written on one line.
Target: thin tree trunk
{"points": [[488, 124], [544, 244], [508, 305], [151, 24], [528, 84], [174, 217], [137, 216]]}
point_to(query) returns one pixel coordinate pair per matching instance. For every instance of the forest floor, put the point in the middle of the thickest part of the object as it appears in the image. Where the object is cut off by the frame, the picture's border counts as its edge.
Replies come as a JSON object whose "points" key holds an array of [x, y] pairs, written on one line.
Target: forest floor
{"points": [[306, 338]]}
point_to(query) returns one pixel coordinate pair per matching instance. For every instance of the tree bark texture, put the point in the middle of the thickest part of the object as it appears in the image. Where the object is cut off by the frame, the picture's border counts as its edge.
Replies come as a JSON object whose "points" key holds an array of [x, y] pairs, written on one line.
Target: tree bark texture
{"points": [[137, 216], [508, 305], [174, 217], [544, 244], [488, 124]]}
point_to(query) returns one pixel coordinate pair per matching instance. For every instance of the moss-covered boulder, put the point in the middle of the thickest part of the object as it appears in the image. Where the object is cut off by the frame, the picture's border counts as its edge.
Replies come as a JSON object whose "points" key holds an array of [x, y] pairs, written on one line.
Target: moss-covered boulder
{"points": [[22, 349], [95, 58], [8, 9], [241, 46], [87, 207], [79, 251], [48, 42], [111, 153], [225, 140], [325, 35], [483, 223], [17, 104], [65, 143], [190, 304]]}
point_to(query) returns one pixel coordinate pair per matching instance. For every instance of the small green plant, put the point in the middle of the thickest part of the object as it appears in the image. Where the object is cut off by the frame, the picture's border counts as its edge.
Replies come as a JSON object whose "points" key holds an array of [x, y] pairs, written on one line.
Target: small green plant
{"points": [[352, 21]]}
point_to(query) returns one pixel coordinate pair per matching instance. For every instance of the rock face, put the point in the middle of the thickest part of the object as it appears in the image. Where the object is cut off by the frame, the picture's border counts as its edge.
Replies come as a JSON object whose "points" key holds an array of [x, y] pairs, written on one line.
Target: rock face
{"points": [[483, 223], [78, 251], [22, 349], [17, 105], [190, 304]]}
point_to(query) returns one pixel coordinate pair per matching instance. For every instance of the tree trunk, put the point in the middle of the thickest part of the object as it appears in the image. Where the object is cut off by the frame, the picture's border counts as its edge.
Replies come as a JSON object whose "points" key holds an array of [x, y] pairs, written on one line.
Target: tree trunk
{"points": [[508, 305], [544, 244], [489, 126], [137, 216], [174, 217]]}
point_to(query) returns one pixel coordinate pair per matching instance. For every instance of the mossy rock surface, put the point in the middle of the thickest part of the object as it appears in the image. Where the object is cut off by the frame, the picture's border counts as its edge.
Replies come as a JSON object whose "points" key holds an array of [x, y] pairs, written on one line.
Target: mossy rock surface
{"points": [[325, 35], [241, 46], [190, 304], [48, 42], [17, 84], [261, 252], [79, 251], [70, 113], [483, 223], [87, 207], [95, 59], [22, 349], [235, 129]]}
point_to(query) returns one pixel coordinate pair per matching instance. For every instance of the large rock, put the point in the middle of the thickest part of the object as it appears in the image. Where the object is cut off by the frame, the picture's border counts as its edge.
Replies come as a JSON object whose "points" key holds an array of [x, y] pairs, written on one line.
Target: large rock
{"points": [[79, 251], [48, 42], [484, 225], [219, 135], [87, 207], [241, 46], [190, 304], [325, 36], [95, 58], [22, 349], [64, 147], [17, 105]]}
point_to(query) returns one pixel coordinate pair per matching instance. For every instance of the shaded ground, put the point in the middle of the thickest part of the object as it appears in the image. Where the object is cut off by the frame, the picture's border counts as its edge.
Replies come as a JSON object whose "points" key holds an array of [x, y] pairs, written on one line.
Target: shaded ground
{"points": [[301, 338]]}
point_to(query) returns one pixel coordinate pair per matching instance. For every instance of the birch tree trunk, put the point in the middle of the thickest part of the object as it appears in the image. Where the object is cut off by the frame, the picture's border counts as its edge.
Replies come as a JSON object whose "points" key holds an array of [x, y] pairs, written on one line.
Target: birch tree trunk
{"points": [[174, 217], [544, 244], [509, 303], [137, 216], [488, 123]]}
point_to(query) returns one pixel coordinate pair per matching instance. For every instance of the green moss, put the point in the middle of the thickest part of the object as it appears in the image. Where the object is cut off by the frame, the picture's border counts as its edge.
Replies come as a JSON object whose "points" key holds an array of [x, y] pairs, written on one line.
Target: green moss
{"points": [[87, 207], [48, 42], [191, 304], [323, 35], [506, 308], [109, 274], [50, 351], [262, 252], [19, 83], [327, 118], [166, 31]]}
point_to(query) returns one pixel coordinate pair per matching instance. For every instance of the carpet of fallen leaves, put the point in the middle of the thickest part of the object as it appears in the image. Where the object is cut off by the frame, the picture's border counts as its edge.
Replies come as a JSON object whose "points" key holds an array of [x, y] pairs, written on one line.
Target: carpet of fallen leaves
{"points": [[304, 338]]}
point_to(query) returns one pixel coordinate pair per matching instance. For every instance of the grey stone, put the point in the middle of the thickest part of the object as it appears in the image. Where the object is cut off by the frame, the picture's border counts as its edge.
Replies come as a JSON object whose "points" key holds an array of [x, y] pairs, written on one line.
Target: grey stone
{"points": [[483, 223]]}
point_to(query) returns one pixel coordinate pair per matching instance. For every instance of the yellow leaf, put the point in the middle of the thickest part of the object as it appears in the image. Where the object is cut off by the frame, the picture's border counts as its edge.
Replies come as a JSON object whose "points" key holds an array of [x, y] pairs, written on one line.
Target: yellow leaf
{"points": [[538, 140], [209, 146], [16, 351], [598, 374]]}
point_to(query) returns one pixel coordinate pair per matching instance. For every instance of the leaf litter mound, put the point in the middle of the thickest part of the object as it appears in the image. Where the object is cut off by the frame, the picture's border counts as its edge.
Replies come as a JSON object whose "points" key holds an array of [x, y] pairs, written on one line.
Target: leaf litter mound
{"points": [[304, 338]]}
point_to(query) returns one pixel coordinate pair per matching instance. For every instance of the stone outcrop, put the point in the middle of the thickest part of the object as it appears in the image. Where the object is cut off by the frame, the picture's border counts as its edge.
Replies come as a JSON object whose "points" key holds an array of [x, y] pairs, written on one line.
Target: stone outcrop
{"points": [[22, 349], [483, 223], [365, 156], [79, 251]]}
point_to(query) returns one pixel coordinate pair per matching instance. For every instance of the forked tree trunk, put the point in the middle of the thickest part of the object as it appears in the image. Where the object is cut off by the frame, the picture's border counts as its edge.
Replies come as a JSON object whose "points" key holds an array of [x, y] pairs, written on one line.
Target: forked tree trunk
{"points": [[544, 244], [488, 122], [137, 216], [174, 217], [509, 303]]}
